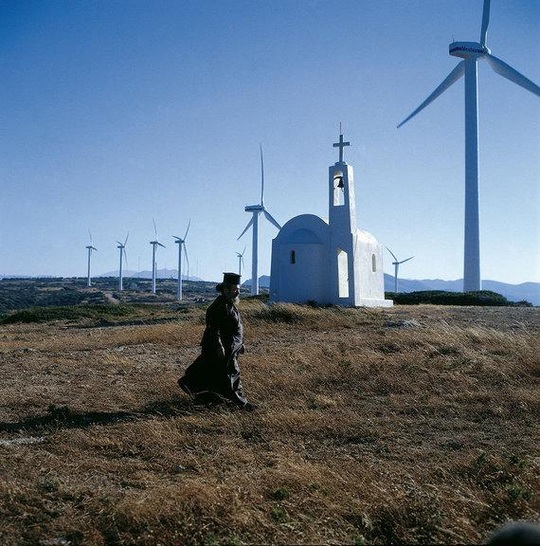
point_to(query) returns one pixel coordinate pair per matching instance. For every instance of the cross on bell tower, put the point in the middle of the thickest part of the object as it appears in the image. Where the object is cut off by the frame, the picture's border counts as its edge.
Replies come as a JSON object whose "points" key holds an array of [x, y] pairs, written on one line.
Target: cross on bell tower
{"points": [[340, 145], [342, 213]]}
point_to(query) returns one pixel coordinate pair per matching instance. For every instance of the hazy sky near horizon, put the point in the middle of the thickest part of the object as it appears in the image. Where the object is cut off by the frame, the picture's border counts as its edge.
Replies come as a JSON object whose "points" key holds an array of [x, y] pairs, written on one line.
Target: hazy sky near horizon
{"points": [[117, 112]]}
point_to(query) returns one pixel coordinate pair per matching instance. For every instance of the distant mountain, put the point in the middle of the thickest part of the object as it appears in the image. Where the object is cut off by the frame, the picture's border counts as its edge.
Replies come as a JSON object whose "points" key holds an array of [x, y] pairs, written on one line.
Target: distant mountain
{"points": [[528, 291]]}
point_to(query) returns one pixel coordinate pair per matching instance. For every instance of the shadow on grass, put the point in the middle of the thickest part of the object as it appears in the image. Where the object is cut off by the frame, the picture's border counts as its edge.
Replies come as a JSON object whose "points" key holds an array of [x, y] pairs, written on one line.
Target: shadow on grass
{"points": [[63, 417]]}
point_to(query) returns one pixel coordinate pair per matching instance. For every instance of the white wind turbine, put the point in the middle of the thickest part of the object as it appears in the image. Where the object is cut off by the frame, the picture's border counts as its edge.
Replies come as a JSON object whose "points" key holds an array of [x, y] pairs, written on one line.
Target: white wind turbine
{"points": [[471, 53], [123, 256], [256, 210], [90, 248], [240, 260], [181, 242], [396, 265], [155, 243]]}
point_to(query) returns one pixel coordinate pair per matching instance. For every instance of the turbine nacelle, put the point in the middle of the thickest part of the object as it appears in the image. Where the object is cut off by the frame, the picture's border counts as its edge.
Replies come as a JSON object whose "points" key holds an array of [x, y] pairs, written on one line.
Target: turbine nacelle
{"points": [[254, 208], [468, 49]]}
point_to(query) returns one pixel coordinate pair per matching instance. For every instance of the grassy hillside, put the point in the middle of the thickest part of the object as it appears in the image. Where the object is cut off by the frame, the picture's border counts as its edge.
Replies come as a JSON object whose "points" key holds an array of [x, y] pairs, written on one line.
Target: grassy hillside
{"points": [[56, 292], [413, 424]]}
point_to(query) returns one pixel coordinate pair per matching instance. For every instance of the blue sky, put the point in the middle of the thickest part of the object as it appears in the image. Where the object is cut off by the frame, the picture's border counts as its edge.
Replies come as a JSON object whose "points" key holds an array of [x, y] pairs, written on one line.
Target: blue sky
{"points": [[117, 112]]}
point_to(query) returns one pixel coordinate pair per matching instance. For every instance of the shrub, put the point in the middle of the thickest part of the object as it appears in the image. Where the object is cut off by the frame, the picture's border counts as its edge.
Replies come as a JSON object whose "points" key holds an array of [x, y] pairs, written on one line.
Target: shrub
{"points": [[442, 297]]}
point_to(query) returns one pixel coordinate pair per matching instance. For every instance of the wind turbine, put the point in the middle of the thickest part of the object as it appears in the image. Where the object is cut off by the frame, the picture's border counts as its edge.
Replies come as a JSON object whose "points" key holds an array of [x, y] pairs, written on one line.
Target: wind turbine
{"points": [[471, 53], [256, 210], [240, 260], [396, 265], [90, 247], [123, 256], [155, 243], [181, 242]]}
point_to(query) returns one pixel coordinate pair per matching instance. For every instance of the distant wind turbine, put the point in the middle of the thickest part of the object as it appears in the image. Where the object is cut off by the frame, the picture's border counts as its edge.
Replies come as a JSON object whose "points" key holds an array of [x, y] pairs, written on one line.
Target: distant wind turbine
{"points": [[123, 256], [181, 242], [256, 210], [396, 265], [240, 260], [471, 53], [155, 243], [90, 248]]}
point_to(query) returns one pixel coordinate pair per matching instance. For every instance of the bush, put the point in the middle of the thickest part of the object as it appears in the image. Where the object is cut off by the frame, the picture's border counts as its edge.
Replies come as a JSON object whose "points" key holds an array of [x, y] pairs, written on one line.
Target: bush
{"points": [[441, 297]]}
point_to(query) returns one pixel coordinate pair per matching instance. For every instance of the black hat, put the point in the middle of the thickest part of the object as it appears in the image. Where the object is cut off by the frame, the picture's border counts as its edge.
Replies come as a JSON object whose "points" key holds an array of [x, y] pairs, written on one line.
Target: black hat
{"points": [[231, 278]]}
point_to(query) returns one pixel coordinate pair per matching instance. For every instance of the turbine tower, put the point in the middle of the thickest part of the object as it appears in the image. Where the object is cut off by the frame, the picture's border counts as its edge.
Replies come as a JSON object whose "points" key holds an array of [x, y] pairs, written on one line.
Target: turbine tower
{"points": [[256, 210], [471, 53], [396, 265], [123, 256], [155, 243], [181, 242], [90, 247], [240, 260]]}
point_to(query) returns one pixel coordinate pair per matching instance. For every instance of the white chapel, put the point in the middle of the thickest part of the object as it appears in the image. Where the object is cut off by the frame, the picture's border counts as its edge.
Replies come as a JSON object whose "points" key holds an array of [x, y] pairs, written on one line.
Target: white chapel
{"points": [[329, 261]]}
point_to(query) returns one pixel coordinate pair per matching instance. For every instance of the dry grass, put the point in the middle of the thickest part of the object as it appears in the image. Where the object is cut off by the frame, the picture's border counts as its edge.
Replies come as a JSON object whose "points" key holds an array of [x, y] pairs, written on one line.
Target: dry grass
{"points": [[404, 425]]}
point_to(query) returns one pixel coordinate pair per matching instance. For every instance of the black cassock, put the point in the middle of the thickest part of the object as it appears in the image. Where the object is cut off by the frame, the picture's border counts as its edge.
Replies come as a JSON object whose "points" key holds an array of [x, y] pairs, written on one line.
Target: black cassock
{"points": [[216, 368]]}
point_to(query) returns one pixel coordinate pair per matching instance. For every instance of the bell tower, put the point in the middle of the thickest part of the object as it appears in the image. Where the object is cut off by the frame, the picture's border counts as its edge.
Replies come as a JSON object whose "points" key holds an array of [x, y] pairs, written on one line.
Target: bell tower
{"points": [[342, 221]]}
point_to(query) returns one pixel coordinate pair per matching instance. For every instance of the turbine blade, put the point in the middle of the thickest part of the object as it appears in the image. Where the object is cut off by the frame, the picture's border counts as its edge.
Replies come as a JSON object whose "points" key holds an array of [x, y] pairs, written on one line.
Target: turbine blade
{"points": [[262, 176], [485, 22], [161, 244], [393, 255], [271, 219], [125, 257], [187, 230], [127, 237], [458, 71], [403, 261], [155, 229], [250, 223], [506, 71], [186, 256]]}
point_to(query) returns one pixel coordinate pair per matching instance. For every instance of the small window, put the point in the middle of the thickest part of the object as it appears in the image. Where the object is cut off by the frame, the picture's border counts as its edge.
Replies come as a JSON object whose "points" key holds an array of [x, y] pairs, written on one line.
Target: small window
{"points": [[293, 256], [373, 263]]}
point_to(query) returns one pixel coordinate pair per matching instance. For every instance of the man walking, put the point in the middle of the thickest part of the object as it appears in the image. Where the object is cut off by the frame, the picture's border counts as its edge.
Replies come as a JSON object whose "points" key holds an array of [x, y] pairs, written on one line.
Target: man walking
{"points": [[216, 370]]}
